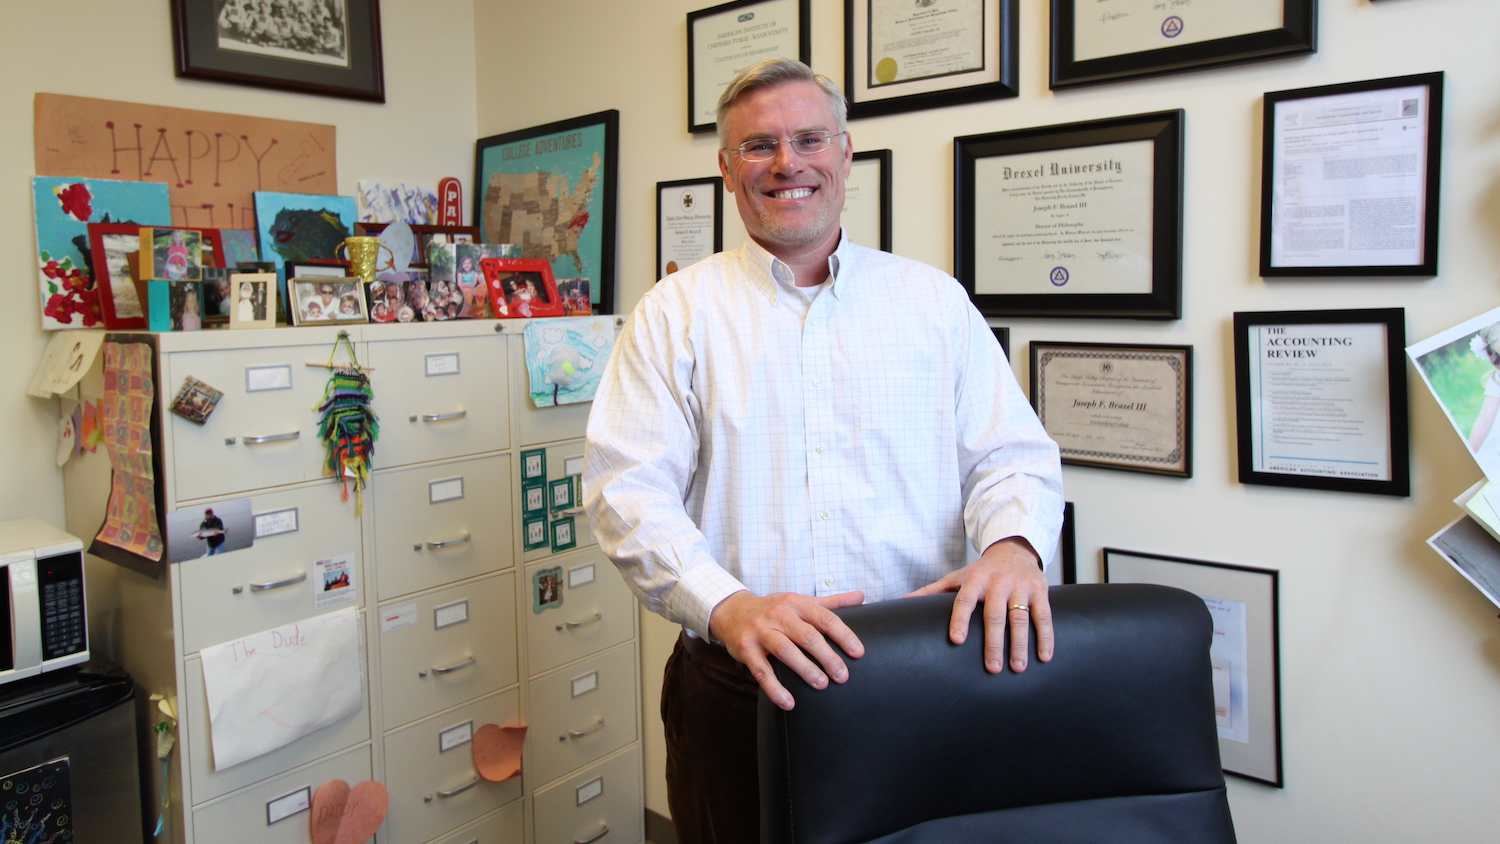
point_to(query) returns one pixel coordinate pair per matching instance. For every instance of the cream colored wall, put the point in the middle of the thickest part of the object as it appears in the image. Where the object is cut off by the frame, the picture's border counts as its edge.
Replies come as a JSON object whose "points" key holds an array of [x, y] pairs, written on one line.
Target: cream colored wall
{"points": [[122, 50]]}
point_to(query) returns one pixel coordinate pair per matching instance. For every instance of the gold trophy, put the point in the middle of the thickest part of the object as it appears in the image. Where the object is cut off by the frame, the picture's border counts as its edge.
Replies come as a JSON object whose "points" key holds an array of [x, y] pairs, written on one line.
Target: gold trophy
{"points": [[364, 254]]}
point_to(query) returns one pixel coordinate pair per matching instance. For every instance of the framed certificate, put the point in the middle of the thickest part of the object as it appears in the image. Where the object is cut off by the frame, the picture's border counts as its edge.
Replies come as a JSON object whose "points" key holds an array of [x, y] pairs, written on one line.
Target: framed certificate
{"points": [[1117, 406], [726, 39], [1349, 183], [1245, 653], [1131, 38], [901, 55], [1078, 220], [689, 223], [1320, 400], [867, 199]]}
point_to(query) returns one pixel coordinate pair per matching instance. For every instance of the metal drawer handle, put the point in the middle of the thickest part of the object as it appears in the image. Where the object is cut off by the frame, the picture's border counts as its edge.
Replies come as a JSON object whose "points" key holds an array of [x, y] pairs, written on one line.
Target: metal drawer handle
{"points": [[594, 728], [574, 625], [277, 584], [448, 543], [457, 666], [271, 438], [598, 835], [461, 789], [444, 417]]}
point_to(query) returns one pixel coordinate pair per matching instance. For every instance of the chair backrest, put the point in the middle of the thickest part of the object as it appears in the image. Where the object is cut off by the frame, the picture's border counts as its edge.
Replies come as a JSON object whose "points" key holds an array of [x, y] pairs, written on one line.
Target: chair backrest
{"points": [[1112, 740]]}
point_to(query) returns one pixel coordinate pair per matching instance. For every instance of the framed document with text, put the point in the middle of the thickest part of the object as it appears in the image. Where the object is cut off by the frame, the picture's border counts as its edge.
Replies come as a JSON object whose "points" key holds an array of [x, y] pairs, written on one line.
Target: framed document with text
{"points": [[1093, 43], [689, 223], [867, 200], [726, 39], [1117, 406], [1077, 220], [901, 55], [1244, 603], [1320, 399], [1349, 183]]}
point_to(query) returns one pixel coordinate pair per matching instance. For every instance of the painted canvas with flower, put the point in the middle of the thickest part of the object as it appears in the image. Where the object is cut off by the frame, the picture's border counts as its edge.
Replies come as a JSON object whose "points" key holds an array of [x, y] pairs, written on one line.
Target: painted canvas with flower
{"points": [[64, 208], [1462, 368]]}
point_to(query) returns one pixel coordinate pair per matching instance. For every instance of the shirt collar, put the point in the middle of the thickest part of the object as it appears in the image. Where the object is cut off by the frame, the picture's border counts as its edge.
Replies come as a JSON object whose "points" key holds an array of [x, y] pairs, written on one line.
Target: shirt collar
{"points": [[770, 271]]}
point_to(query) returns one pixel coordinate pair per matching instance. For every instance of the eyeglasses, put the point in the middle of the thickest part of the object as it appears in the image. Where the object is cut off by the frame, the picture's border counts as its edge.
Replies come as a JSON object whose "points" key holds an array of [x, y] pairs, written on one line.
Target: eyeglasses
{"points": [[805, 143]]}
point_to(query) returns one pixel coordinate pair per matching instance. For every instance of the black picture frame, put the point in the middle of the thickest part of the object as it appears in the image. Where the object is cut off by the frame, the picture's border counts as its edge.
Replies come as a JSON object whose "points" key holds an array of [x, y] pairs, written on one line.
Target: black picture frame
{"points": [[750, 8], [1338, 477], [1177, 461], [713, 185], [1259, 589], [197, 38], [997, 78], [1297, 35], [882, 159], [1064, 570], [1164, 301], [1431, 174], [1002, 336], [604, 124]]}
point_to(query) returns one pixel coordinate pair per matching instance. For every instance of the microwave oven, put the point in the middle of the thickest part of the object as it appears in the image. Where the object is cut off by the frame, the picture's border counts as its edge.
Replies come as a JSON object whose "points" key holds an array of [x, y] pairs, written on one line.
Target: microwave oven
{"points": [[43, 621]]}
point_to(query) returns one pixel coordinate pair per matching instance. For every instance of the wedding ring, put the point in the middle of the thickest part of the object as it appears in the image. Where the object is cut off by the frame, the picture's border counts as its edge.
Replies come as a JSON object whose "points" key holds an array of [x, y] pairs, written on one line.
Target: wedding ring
{"points": [[1021, 607]]}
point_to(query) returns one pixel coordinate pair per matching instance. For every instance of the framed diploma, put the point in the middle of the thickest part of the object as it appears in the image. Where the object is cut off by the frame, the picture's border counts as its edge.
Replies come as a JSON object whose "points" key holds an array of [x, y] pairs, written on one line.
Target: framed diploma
{"points": [[1078, 220], [901, 55], [1093, 42], [1349, 184], [726, 39], [867, 199], [1321, 400], [1117, 406], [689, 223], [1245, 652]]}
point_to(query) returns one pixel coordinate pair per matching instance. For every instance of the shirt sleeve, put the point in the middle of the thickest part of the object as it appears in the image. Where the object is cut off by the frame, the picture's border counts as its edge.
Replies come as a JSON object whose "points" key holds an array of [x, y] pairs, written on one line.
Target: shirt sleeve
{"points": [[641, 450]]}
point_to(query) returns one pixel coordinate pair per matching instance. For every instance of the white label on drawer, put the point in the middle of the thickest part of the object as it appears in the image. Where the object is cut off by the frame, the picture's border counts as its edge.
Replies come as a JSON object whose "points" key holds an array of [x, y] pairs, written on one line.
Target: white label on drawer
{"points": [[274, 522], [284, 807], [455, 736], [586, 683], [580, 575], [395, 618], [445, 490], [450, 614], [259, 378], [335, 581], [573, 465], [443, 363], [591, 789]]}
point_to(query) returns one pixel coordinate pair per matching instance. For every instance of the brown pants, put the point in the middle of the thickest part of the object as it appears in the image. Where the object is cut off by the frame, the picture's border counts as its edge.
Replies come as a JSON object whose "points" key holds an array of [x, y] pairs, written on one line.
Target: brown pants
{"points": [[708, 706]]}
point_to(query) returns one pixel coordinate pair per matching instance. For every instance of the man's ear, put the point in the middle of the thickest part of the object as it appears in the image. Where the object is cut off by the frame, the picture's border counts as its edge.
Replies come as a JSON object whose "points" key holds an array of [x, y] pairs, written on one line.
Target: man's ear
{"points": [[724, 171]]}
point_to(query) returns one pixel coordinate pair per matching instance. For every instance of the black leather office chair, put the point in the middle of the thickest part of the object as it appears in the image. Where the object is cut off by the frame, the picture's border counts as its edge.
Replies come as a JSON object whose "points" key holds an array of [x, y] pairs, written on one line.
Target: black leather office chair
{"points": [[1112, 741]]}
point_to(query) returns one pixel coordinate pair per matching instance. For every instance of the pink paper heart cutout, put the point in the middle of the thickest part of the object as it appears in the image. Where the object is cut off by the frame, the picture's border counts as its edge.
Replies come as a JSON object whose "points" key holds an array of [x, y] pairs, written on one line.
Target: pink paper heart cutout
{"points": [[367, 806], [497, 751], [328, 807]]}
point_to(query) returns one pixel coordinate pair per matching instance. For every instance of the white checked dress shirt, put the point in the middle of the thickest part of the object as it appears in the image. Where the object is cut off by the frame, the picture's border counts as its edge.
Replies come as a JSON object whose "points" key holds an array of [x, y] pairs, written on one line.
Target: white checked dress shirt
{"points": [[748, 434]]}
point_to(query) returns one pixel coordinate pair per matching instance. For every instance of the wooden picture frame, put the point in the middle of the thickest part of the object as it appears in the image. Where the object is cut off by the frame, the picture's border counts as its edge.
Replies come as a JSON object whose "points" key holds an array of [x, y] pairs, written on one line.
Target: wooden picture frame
{"points": [[260, 312], [974, 56], [521, 288], [346, 293], [721, 38]]}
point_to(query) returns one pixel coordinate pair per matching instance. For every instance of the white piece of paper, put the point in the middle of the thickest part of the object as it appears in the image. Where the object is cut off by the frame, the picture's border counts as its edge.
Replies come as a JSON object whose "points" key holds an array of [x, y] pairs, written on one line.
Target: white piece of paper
{"points": [[68, 355], [271, 688], [1457, 366], [1230, 654], [337, 581]]}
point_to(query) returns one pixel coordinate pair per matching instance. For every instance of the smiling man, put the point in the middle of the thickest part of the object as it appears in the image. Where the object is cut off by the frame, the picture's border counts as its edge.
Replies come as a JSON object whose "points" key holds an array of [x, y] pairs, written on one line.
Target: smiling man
{"points": [[799, 425]]}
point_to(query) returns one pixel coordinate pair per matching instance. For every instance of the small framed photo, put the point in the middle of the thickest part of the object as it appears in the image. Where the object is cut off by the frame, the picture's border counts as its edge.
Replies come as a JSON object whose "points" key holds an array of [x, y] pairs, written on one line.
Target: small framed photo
{"points": [[1320, 400], [560, 493], [327, 301], [112, 245], [534, 533], [1349, 180], [867, 199], [725, 39], [1090, 47], [547, 589], [1077, 220], [1245, 652], [574, 293], [533, 466], [195, 401], [174, 305], [521, 288], [563, 535], [689, 222], [218, 296], [898, 57], [1117, 406], [254, 300], [172, 254]]}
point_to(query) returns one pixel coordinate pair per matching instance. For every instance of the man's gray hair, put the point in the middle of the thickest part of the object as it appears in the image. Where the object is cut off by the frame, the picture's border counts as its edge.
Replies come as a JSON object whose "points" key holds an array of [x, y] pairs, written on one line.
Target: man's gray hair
{"points": [[773, 72]]}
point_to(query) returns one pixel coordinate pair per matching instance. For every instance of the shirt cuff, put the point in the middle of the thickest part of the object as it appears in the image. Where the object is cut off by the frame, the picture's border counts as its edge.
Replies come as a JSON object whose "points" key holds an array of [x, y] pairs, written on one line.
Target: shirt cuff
{"points": [[699, 590]]}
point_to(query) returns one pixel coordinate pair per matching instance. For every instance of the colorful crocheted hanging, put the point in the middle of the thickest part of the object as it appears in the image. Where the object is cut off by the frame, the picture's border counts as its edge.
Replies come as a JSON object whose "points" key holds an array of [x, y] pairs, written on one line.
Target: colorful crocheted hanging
{"points": [[349, 426]]}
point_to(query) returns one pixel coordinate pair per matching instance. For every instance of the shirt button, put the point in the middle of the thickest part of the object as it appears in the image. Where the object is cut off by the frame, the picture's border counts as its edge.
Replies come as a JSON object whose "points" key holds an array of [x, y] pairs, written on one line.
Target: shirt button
{"points": [[823, 515], [817, 383], [828, 582], [819, 449]]}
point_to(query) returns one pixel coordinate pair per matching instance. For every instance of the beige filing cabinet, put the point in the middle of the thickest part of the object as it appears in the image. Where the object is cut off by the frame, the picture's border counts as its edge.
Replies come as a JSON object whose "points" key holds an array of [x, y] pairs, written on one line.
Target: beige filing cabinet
{"points": [[464, 623]]}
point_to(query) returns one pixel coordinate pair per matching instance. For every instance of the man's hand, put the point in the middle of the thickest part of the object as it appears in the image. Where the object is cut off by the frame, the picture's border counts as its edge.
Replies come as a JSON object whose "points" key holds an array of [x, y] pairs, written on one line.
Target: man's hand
{"points": [[789, 627], [1005, 576]]}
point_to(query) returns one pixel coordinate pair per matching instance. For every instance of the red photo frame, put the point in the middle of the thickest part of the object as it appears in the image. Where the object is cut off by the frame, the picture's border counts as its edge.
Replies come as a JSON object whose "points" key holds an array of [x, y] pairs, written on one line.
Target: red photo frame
{"points": [[521, 288], [117, 290]]}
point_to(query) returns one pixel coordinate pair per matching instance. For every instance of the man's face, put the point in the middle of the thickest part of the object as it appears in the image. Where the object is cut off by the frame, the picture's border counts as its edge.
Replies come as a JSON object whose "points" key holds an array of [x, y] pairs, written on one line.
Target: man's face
{"points": [[792, 202]]}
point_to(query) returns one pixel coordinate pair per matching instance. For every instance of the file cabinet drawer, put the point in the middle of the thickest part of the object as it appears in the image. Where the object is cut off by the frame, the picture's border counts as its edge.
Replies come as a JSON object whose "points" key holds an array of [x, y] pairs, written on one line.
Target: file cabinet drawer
{"points": [[434, 790], [597, 609], [208, 783], [559, 462], [440, 523], [273, 582], [441, 397], [245, 818], [264, 431], [442, 648], [537, 425], [502, 827], [605, 798], [581, 712]]}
